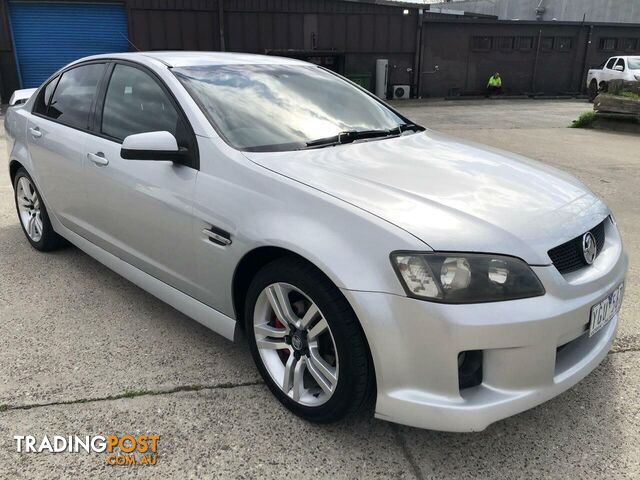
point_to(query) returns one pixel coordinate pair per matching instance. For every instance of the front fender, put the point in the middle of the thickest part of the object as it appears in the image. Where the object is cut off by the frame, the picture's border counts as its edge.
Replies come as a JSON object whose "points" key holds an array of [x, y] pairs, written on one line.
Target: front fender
{"points": [[259, 208], [351, 250]]}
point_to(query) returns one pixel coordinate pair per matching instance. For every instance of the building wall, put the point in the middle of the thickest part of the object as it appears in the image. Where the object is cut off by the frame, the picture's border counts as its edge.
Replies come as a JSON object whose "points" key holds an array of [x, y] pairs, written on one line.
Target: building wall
{"points": [[174, 25], [609, 11], [349, 36], [357, 33], [532, 57]]}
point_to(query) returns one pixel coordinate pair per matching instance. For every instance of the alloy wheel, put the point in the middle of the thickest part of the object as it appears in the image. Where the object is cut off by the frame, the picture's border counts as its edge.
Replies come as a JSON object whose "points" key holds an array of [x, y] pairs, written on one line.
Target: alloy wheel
{"points": [[29, 209], [296, 344]]}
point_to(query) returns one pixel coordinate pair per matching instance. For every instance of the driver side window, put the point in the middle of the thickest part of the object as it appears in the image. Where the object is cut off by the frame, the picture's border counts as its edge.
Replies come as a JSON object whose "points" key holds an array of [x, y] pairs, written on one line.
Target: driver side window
{"points": [[135, 103]]}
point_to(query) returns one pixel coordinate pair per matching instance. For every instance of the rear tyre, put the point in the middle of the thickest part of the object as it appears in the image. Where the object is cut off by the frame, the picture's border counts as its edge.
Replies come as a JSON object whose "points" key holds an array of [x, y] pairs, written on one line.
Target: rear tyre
{"points": [[33, 215], [307, 342]]}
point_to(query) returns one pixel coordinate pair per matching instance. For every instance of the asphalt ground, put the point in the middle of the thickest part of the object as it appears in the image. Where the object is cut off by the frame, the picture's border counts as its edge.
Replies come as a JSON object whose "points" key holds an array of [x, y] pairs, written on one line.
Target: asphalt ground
{"points": [[83, 351]]}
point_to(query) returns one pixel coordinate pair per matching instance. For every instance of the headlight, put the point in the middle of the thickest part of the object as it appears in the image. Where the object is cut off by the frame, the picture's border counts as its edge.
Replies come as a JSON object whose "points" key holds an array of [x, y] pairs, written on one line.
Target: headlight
{"points": [[465, 277]]}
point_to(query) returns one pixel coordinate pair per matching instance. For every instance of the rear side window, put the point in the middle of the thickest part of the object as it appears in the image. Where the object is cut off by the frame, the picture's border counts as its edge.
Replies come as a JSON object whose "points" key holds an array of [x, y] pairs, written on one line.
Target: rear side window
{"points": [[42, 102], [136, 103], [74, 95]]}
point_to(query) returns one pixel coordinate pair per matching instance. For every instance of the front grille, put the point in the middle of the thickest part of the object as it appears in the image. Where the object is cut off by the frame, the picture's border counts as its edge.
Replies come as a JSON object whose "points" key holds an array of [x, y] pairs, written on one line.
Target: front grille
{"points": [[568, 257]]}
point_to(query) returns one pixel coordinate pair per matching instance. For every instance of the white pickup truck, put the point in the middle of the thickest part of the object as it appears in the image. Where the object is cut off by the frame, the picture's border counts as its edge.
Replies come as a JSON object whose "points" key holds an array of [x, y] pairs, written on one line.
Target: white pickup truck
{"points": [[616, 68]]}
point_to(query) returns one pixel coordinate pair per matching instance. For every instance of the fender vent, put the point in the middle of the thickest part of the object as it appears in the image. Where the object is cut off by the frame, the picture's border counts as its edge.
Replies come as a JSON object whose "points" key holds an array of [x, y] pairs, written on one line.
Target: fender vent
{"points": [[218, 236]]}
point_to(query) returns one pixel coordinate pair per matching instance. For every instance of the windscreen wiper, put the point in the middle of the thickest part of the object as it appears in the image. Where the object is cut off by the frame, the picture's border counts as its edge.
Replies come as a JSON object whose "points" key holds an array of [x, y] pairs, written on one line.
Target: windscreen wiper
{"points": [[406, 127], [350, 136]]}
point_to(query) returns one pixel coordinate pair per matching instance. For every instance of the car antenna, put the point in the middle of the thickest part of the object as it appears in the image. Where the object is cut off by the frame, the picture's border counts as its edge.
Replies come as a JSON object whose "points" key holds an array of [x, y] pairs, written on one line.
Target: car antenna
{"points": [[130, 42]]}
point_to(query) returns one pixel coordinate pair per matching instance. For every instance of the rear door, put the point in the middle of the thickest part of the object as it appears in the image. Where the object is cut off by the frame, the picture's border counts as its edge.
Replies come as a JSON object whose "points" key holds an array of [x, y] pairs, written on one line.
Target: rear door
{"points": [[58, 132], [141, 210]]}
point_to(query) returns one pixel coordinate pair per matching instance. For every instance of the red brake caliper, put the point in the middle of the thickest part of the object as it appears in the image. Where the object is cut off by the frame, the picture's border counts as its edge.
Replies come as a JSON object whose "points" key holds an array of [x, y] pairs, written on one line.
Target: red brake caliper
{"points": [[283, 352]]}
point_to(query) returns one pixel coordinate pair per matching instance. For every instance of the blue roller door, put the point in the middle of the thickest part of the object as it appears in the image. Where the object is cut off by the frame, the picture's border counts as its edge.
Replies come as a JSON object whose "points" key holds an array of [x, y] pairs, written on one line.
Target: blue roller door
{"points": [[47, 36]]}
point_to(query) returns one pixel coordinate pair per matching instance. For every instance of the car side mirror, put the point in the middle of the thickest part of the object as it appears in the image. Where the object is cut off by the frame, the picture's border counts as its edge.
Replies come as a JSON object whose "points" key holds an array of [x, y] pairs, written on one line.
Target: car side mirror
{"points": [[619, 68], [153, 146]]}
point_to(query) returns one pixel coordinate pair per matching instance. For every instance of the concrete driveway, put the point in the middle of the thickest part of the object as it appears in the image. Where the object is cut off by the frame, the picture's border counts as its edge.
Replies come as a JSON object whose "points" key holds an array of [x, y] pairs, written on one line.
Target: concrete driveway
{"points": [[83, 351]]}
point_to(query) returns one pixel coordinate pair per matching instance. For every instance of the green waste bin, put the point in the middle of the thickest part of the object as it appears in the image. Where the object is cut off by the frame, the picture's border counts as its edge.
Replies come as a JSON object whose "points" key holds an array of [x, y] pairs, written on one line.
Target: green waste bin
{"points": [[362, 79]]}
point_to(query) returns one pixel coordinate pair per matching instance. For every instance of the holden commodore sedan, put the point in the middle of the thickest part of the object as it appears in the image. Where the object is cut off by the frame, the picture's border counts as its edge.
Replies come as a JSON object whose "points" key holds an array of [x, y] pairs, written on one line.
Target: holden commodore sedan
{"points": [[361, 255]]}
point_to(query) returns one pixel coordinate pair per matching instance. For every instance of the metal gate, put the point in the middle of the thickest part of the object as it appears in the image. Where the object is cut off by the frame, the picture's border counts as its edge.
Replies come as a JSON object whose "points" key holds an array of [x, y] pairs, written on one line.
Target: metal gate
{"points": [[47, 36]]}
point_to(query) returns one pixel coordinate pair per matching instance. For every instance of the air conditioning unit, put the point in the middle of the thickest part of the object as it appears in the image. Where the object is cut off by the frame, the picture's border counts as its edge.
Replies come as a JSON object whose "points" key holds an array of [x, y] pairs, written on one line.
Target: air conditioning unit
{"points": [[401, 92]]}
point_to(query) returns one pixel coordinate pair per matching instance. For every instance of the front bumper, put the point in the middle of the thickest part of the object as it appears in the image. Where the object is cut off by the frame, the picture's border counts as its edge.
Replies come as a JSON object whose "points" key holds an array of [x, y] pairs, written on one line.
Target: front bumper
{"points": [[415, 346]]}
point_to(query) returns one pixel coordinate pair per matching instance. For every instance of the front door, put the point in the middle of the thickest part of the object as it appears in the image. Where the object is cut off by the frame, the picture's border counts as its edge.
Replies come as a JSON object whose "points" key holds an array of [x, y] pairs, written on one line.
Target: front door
{"points": [[141, 210]]}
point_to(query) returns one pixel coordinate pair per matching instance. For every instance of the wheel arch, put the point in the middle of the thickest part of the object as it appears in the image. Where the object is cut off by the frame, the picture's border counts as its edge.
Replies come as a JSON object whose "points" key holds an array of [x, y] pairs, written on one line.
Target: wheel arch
{"points": [[254, 260], [14, 166], [250, 264]]}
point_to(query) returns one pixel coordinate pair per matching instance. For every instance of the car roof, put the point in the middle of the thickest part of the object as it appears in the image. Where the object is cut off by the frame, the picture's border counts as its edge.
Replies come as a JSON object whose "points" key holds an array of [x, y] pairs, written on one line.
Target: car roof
{"points": [[191, 59]]}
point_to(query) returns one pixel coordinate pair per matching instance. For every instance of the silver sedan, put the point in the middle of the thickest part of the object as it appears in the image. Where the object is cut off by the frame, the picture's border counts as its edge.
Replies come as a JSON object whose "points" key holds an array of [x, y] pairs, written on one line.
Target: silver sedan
{"points": [[362, 256]]}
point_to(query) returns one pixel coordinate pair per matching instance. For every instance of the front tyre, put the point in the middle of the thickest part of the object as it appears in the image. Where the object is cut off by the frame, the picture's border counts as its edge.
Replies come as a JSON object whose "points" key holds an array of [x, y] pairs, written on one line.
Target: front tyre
{"points": [[307, 342], [33, 215]]}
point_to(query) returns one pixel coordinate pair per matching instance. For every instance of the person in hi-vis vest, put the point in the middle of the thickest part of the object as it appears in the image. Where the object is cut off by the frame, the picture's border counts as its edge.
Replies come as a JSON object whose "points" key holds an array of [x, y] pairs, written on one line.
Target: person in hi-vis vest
{"points": [[494, 85]]}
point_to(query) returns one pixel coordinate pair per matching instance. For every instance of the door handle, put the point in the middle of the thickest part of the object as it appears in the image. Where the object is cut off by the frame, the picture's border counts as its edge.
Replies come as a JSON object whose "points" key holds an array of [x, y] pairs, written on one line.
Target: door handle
{"points": [[35, 132], [98, 158]]}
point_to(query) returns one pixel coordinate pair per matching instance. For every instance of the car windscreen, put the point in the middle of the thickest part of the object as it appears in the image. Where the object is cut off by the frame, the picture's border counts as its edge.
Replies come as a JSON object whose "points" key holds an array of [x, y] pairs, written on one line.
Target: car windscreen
{"points": [[282, 107], [634, 63]]}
